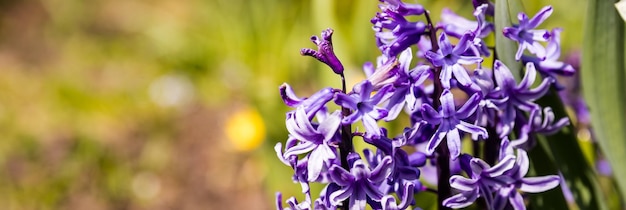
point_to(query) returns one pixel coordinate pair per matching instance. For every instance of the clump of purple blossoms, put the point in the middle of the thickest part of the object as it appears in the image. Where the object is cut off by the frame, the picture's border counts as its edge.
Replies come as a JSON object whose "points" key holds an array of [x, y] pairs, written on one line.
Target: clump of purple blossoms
{"points": [[449, 93]]}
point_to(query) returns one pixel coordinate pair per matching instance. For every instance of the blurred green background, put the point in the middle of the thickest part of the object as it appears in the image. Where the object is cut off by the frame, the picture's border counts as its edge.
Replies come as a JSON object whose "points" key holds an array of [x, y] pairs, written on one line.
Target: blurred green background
{"points": [[171, 104]]}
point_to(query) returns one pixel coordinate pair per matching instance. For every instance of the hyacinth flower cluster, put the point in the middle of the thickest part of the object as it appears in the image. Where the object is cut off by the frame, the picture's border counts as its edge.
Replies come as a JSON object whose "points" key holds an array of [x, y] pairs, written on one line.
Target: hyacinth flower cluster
{"points": [[437, 75]]}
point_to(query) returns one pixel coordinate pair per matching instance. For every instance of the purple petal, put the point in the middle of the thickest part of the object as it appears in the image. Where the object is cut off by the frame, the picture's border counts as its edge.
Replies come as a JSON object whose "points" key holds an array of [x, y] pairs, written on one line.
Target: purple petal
{"points": [[358, 200], [382, 170], [522, 162], [368, 68], [478, 166], [303, 147], [503, 166], [370, 125], [435, 58], [472, 129], [529, 76], [347, 101], [340, 195], [461, 75], [351, 118], [454, 143], [278, 149], [461, 183], [329, 126], [341, 176], [541, 16], [447, 103], [288, 96], [444, 44], [461, 200], [469, 107], [541, 35], [372, 191], [316, 162], [468, 60], [539, 184], [445, 76], [430, 115], [502, 74], [434, 141], [364, 89], [538, 92], [517, 201], [463, 44]]}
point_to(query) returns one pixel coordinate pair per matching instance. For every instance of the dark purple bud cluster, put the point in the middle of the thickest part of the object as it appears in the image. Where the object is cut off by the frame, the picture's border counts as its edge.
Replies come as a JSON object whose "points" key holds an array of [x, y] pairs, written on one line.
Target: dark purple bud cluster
{"points": [[450, 96]]}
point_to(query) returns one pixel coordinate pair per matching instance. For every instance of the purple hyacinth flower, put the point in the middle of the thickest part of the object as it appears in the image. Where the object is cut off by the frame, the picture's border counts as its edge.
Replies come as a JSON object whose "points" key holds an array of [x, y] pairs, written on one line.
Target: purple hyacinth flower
{"points": [[313, 139], [456, 26], [516, 97], [551, 66], [364, 106], [511, 192], [325, 52], [394, 33], [450, 122], [311, 104], [539, 123], [451, 60], [360, 183], [405, 81], [526, 34], [482, 182]]}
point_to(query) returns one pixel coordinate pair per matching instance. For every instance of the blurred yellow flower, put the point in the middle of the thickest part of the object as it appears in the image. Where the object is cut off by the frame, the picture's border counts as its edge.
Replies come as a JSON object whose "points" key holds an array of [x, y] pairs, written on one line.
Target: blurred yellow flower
{"points": [[245, 129]]}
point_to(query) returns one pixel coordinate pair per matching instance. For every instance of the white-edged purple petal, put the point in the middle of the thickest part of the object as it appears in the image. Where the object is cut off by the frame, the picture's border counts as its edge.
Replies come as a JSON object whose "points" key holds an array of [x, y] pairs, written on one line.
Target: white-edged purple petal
{"points": [[329, 126], [541, 16], [430, 115], [382, 170], [370, 125], [539, 184], [517, 201], [340, 195], [434, 141], [469, 107], [461, 75], [289, 96], [503, 166], [461, 200], [344, 100], [341, 176], [472, 129], [529, 76], [358, 199], [461, 183], [522, 162], [447, 104], [454, 143]]}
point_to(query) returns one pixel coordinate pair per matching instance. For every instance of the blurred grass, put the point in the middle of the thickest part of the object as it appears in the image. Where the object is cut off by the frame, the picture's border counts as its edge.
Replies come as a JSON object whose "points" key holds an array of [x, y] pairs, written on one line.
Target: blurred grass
{"points": [[113, 104]]}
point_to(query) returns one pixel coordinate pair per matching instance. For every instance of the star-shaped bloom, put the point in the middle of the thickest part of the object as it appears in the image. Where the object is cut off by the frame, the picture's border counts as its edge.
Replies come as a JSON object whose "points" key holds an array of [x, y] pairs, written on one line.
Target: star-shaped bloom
{"points": [[515, 97], [483, 181], [360, 183], [314, 139], [451, 59], [394, 33], [457, 26], [450, 122], [364, 106], [527, 36], [551, 66], [511, 192]]}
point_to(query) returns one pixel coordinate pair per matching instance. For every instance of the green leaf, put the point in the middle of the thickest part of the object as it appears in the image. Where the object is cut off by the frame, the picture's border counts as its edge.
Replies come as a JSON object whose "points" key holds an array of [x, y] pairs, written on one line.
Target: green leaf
{"points": [[570, 160], [506, 11], [603, 76]]}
